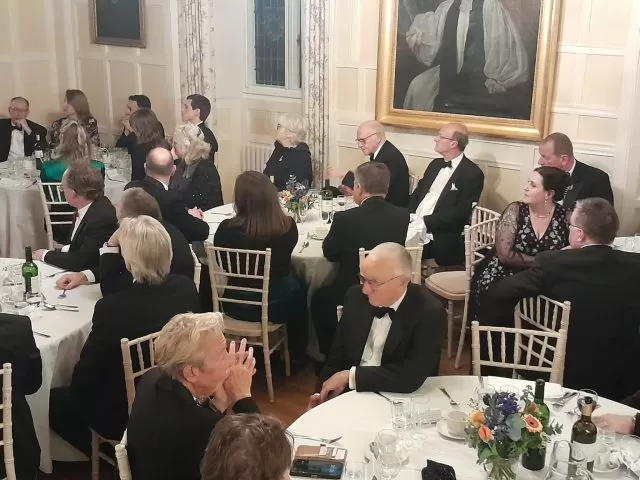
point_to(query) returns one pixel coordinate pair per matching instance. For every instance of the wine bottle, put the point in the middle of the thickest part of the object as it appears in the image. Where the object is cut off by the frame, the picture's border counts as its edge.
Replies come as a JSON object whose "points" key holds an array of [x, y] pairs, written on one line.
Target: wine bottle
{"points": [[38, 152], [584, 433], [326, 206], [533, 459], [31, 277]]}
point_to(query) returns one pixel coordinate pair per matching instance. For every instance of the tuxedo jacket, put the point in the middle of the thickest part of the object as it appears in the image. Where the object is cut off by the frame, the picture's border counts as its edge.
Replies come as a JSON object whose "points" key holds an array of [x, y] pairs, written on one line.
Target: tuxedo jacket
{"points": [[587, 182], [114, 275], [97, 384], [603, 288], [210, 138], [453, 208], [411, 352], [168, 431], [374, 222], [18, 347], [173, 209], [96, 227], [29, 140]]}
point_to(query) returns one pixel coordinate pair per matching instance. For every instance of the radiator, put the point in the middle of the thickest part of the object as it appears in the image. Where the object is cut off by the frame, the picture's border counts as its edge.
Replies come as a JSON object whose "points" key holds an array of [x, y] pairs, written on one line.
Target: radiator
{"points": [[255, 156]]}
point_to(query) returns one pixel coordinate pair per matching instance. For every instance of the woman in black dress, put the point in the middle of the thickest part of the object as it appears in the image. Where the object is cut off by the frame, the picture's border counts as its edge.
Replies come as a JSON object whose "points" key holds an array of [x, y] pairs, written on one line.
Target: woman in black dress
{"points": [[149, 135]]}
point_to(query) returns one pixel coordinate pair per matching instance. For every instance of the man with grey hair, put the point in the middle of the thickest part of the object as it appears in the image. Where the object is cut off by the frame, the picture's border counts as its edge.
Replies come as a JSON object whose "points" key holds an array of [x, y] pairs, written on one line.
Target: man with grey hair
{"points": [[375, 222], [17, 134], [391, 332], [602, 285]]}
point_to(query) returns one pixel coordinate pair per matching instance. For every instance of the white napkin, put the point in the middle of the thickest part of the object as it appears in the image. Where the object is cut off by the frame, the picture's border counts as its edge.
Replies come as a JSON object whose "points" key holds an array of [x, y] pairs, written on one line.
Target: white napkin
{"points": [[9, 182]]}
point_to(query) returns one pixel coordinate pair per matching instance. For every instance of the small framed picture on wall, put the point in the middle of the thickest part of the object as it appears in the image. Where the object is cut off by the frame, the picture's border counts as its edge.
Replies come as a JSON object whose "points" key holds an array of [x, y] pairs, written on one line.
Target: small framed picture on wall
{"points": [[118, 22]]}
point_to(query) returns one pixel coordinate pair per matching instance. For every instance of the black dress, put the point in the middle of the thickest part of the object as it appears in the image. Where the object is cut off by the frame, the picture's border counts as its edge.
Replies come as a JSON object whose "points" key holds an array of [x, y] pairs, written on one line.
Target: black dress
{"points": [[286, 162], [198, 184]]}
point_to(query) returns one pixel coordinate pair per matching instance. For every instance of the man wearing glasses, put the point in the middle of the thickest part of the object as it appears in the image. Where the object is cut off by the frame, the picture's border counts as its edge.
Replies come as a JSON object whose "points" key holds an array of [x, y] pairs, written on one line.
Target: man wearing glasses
{"points": [[17, 134], [391, 332], [373, 143]]}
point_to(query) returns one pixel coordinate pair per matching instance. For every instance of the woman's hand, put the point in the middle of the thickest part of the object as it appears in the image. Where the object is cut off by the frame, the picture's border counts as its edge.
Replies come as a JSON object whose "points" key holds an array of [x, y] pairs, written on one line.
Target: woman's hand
{"points": [[238, 383]]}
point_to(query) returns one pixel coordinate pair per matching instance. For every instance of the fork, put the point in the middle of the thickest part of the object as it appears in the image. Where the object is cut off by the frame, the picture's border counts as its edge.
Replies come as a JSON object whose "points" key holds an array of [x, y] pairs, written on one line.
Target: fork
{"points": [[452, 402], [318, 439], [565, 398], [63, 294]]}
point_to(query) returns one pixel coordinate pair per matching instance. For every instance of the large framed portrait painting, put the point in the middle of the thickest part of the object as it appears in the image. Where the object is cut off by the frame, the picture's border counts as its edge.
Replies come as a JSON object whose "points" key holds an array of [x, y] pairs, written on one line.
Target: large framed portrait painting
{"points": [[487, 63]]}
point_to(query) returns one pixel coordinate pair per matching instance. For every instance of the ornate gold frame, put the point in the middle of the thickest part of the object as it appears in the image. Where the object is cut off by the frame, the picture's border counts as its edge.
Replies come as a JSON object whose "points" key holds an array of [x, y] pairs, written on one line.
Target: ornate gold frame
{"points": [[119, 42], [534, 129]]}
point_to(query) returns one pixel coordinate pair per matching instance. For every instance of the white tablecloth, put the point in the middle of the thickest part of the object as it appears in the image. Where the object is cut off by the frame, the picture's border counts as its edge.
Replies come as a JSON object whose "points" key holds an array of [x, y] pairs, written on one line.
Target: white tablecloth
{"points": [[68, 332], [359, 416], [627, 244], [22, 216]]}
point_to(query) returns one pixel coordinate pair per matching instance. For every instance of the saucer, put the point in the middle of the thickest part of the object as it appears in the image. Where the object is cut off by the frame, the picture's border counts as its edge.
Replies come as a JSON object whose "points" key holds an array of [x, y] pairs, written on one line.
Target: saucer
{"points": [[315, 236], [444, 431], [612, 466]]}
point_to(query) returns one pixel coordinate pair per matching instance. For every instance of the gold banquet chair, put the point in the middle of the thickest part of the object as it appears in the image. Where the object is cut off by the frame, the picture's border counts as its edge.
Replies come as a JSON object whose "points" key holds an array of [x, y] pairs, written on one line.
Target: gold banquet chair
{"points": [[524, 352], [6, 442], [455, 286], [266, 335], [416, 261]]}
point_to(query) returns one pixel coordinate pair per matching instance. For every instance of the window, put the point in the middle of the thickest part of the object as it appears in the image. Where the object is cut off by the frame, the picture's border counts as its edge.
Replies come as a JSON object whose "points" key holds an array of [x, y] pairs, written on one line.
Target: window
{"points": [[277, 45]]}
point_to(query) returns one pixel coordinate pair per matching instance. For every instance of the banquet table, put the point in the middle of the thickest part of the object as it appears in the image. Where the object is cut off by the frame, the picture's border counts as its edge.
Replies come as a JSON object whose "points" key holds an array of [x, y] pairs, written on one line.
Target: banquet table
{"points": [[22, 213], [66, 333], [358, 417], [628, 244]]}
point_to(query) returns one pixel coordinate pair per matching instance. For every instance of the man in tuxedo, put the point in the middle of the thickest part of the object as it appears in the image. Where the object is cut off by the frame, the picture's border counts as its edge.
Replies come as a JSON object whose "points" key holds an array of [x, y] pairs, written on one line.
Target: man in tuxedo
{"points": [[391, 333], [95, 221], [196, 110], [556, 150], [18, 347], [372, 142], [602, 285], [128, 137], [374, 222], [113, 274], [159, 168], [443, 199], [17, 134]]}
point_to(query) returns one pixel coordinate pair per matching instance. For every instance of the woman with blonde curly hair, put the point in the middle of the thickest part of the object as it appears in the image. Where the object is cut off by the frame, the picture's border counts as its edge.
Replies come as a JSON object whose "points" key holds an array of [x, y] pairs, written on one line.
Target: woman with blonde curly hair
{"points": [[196, 178]]}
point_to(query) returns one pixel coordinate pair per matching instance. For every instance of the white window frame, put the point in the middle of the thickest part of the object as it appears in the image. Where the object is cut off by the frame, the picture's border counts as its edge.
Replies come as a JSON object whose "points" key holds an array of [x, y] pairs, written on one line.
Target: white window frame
{"points": [[292, 52]]}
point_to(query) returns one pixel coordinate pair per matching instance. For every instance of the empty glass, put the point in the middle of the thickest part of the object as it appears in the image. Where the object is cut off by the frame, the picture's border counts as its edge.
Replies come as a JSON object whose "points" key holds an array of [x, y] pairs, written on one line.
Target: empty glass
{"points": [[388, 455], [354, 470], [630, 453], [303, 209], [567, 463]]}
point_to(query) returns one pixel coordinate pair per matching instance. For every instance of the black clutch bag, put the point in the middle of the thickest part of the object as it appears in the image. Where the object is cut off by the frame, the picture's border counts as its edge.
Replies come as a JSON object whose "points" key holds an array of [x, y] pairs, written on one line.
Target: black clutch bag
{"points": [[438, 471]]}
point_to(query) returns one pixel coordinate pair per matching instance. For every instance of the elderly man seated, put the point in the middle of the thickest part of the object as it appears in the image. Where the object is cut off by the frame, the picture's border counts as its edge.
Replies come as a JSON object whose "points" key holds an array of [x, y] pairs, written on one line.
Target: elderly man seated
{"points": [[391, 332], [177, 404]]}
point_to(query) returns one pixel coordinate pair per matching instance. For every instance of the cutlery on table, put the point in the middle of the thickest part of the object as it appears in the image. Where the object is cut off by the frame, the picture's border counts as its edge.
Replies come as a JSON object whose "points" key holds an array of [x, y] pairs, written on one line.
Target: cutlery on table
{"points": [[305, 244], [561, 402], [68, 308], [41, 334], [385, 397], [55, 273], [63, 294], [318, 439], [452, 402]]}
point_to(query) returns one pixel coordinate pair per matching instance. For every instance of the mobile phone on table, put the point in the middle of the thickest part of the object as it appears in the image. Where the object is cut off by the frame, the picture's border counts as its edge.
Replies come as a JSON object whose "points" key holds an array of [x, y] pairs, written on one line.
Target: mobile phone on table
{"points": [[319, 462]]}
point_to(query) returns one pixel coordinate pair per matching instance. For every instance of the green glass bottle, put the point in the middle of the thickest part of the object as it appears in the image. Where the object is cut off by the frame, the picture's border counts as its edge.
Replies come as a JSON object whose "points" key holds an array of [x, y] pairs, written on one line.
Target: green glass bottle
{"points": [[534, 459], [326, 207], [30, 276], [584, 433]]}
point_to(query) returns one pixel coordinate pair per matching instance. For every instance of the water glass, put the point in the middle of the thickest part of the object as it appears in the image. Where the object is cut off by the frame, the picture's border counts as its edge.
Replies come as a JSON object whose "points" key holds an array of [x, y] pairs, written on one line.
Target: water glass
{"points": [[630, 453], [354, 470], [303, 209], [342, 201], [388, 455], [421, 412], [482, 392]]}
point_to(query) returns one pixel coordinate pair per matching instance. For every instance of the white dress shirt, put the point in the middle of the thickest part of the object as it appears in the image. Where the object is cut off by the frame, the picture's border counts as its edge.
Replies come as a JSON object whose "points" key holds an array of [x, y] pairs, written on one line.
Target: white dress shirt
{"points": [[373, 348], [16, 150], [570, 172], [81, 213], [375, 154], [428, 203]]}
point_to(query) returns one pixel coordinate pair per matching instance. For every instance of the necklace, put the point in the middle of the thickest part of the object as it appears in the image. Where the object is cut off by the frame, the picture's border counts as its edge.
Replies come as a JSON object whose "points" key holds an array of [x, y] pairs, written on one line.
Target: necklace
{"points": [[546, 215]]}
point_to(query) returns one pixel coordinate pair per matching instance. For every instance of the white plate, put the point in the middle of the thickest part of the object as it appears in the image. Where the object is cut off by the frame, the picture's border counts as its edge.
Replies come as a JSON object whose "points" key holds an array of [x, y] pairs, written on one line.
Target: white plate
{"points": [[444, 431], [611, 469], [317, 237]]}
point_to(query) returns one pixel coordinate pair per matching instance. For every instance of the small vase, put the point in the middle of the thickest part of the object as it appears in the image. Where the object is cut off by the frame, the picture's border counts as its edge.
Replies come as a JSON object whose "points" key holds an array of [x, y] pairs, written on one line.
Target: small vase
{"points": [[294, 208], [499, 468]]}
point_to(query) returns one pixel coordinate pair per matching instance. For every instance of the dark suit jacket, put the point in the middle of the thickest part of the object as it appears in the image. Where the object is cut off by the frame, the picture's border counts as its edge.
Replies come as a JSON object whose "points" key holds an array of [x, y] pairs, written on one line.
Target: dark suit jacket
{"points": [[411, 352], [29, 140], [372, 223], [18, 347], [174, 210], [168, 431], [210, 138], [452, 210], [114, 275], [602, 286], [96, 227], [97, 384], [587, 182]]}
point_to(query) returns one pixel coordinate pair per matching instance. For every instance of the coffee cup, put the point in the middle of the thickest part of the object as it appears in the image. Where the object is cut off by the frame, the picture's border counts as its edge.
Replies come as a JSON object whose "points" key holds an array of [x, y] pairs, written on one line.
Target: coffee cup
{"points": [[456, 421], [321, 232]]}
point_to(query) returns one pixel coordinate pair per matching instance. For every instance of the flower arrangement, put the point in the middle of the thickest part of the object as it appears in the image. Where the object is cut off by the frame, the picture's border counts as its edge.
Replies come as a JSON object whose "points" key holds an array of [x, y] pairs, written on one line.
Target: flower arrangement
{"points": [[294, 193], [502, 427]]}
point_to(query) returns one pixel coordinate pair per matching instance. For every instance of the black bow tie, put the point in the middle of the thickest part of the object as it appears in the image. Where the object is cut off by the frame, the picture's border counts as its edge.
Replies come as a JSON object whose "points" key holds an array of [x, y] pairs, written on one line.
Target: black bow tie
{"points": [[446, 164], [382, 311], [16, 127]]}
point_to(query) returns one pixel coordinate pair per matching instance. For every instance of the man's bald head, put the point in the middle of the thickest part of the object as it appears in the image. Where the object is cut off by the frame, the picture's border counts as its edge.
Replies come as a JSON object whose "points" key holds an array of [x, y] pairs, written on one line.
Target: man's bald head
{"points": [[370, 136], [385, 273], [451, 140], [394, 256], [159, 162]]}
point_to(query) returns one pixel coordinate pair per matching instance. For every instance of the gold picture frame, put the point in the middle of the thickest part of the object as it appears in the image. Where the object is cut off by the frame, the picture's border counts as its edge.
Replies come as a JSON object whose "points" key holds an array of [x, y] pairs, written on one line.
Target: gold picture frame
{"points": [[541, 79], [118, 22]]}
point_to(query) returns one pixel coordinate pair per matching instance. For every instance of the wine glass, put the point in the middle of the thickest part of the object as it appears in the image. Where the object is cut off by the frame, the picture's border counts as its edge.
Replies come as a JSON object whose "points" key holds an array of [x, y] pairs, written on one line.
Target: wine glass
{"points": [[303, 209], [342, 201], [482, 392], [630, 453], [583, 395]]}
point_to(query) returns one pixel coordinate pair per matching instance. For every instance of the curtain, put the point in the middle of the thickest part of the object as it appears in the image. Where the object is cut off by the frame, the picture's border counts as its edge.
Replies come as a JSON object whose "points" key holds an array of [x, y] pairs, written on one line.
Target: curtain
{"points": [[195, 31], [315, 77]]}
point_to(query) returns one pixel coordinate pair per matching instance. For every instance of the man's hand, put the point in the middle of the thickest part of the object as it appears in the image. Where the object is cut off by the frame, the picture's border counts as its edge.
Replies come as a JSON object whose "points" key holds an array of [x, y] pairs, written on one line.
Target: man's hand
{"points": [[332, 172], [334, 386], [25, 126], [39, 254], [614, 423], [114, 240], [71, 281], [196, 212], [314, 401]]}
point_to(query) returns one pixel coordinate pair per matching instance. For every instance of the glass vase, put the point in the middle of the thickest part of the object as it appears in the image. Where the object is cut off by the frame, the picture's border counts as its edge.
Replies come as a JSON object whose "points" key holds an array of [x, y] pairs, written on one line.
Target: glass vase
{"points": [[294, 209], [499, 468]]}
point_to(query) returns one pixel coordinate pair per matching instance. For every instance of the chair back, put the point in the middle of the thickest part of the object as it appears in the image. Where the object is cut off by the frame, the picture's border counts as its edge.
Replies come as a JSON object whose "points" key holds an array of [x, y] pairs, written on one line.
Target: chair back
{"points": [[145, 360], [197, 268], [413, 182], [6, 442], [416, 261], [480, 214], [542, 312], [124, 469], [51, 194], [525, 354]]}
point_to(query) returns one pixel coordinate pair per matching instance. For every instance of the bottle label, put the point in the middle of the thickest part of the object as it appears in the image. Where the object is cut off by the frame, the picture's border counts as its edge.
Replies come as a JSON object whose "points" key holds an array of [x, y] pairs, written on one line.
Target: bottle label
{"points": [[587, 450], [35, 284], [327, 205], [38, 154]]}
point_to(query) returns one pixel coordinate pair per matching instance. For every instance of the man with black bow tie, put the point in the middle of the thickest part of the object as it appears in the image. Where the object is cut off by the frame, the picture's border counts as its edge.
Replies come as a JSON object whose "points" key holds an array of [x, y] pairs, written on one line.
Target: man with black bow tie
{"points": [[17, 134], [391, 332], [442, 201]]}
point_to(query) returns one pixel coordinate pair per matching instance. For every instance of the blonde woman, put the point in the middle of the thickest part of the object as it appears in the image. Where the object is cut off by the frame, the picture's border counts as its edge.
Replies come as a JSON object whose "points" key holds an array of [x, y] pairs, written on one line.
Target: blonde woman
{"points": [[291, 156], [196, 178], [76, 107]]}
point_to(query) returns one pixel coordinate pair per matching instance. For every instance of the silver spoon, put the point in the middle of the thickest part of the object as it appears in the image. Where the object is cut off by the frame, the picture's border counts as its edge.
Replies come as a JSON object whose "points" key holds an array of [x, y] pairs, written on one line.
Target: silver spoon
{"points": [[63, 294]]}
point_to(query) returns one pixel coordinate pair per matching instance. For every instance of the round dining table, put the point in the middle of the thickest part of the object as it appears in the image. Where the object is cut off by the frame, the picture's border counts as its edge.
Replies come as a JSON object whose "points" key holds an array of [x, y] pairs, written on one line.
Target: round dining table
{"points": [[357, 417], [60, 336]]}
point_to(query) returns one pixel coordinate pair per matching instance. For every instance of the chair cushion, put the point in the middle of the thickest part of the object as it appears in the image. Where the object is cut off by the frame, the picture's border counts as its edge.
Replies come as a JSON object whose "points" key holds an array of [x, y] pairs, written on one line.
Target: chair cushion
{"points": [[450, 285], [248, 329]]}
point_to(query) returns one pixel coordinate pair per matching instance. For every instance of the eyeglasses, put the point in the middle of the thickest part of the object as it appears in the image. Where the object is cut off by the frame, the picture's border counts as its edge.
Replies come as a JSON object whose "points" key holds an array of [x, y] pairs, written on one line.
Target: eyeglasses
{"points": [[575, 226], [361, 141], [446, 138], [16, 109], [375, 283]]}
